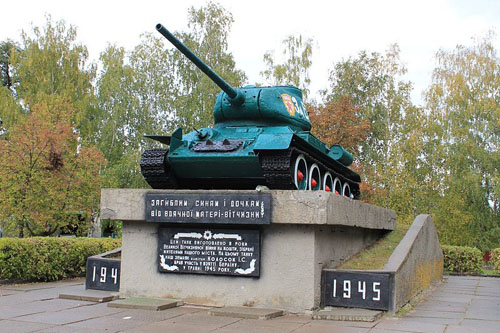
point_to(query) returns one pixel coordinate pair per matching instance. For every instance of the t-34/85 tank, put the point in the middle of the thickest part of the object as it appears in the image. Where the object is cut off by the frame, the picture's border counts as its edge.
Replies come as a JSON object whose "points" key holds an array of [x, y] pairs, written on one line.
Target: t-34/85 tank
{"points": [[261, 137]]}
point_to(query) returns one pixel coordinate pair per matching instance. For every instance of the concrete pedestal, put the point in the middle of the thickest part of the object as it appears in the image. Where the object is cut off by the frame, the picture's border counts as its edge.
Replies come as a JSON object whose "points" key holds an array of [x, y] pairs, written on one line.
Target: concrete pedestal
{"points": [[309, 231]]}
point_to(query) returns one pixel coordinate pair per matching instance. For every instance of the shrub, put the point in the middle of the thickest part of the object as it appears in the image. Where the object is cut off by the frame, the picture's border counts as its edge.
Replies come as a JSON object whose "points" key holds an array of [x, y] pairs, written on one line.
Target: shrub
{"points": [[461, 259], [495, 260], [48, 258]]}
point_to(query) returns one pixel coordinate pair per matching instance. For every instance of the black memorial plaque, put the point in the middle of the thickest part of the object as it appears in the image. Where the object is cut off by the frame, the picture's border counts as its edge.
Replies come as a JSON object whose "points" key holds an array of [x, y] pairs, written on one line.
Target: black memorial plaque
{"points": [[234, 208], [368, 290], [209, 251], [103, 274]]}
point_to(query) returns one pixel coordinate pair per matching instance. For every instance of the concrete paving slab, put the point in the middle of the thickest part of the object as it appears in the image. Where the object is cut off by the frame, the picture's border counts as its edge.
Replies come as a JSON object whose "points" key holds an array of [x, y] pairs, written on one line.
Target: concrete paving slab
{"points": [[7, 312], [293, 318], [13, 326], [152, 316], [402, 324], [489, 282], [444, 306], [254, 325], [145, 303], [71, 329], [436, 314], [481, 302], [465, 329], [26, 297], [109, 324], [89, 295], [340, 323], [161, 327], [70, 315], [347, 314], [492, 313], [42, 285], [324, 327], [28, 287], [451, 298], [429, 320], [7, 292], [195, 322], [481, 324], [246, 312], [482, 314]]}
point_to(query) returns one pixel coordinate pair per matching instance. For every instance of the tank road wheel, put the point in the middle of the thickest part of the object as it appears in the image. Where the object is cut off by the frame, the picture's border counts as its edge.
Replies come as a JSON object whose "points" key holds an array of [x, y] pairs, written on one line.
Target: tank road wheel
{"points": [[337, 186], [327, 182], [300, 172], [314, 178], [346, 190]]}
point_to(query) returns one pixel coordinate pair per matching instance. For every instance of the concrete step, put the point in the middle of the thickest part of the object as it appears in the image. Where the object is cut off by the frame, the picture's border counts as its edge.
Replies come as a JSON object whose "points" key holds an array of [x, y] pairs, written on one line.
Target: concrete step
{"points": [[144, 303], [347, 314], [89, 295], [246, 312]]}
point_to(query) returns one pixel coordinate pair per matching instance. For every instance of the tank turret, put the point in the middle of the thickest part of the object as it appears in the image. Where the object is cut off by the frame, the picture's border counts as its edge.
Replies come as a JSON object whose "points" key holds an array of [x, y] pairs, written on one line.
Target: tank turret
{"points": [[261, 137]]}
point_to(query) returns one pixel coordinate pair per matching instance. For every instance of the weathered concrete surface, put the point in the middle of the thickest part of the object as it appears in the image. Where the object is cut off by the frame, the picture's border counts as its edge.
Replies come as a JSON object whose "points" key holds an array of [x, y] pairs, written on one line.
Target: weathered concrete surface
{"points": [[289, 207], [98, 296], [246, 312], [292, 258], [417, 261], [474, 309], [310, 231], [347, 314], [144, 303]]}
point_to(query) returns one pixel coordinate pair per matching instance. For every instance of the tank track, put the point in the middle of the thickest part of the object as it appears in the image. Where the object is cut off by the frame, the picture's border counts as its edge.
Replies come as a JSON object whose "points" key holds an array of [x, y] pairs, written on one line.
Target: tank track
{"points": [[155, 171], [278, 168]]}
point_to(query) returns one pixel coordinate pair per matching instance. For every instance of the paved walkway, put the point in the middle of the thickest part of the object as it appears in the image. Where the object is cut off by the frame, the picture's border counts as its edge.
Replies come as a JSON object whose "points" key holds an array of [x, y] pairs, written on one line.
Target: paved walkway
{"points": [[460, 304]]}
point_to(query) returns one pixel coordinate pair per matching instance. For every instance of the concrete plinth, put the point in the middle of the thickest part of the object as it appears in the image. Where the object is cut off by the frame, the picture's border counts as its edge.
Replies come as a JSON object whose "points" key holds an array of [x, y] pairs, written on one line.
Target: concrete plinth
{"points": [[310, 231]]}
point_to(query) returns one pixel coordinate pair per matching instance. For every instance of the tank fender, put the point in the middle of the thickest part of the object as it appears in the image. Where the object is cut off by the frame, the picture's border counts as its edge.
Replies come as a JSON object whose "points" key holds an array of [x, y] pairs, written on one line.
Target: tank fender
{"points": [[160, 138], [176, 139], [273, 141]]}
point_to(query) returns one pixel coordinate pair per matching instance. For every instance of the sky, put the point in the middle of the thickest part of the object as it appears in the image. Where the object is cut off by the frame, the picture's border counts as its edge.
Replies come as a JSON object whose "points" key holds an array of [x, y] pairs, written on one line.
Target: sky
{"points": [[340, 29]]}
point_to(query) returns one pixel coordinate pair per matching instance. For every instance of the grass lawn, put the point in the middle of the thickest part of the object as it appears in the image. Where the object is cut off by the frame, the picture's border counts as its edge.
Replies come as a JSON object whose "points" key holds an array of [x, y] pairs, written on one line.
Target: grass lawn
{"points": [[376, 256]]}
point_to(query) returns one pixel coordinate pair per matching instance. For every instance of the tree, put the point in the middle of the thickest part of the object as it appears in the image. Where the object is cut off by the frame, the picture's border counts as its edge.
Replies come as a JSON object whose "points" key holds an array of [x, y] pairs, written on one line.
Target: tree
{"points": [[294, 70], [51, 64], [339, 122], [120, 123], [464, 113], [48, 171], [6, 48], [155, 89], [44, 178], [373, 82], [170, 87], [9, 110]]}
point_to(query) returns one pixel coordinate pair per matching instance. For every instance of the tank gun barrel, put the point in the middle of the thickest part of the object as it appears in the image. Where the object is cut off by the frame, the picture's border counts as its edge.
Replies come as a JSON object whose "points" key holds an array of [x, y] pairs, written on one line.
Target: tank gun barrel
{"points": [[235, 96]]}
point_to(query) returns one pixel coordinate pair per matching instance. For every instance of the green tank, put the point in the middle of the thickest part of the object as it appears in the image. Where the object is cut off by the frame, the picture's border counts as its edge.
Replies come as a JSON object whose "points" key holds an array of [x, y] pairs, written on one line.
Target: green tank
{"points": [[261, 136]]}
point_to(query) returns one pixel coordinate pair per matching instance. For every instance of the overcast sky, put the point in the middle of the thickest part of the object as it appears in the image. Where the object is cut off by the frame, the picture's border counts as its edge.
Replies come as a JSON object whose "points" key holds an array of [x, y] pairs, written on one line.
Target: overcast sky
{"points": [[339, 28]]}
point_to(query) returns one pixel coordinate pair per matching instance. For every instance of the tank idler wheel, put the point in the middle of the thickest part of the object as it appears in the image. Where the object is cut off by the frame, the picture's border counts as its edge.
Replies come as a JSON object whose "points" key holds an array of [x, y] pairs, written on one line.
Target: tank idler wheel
{"points": [[300, 172], [327, 184], [314, 181]]}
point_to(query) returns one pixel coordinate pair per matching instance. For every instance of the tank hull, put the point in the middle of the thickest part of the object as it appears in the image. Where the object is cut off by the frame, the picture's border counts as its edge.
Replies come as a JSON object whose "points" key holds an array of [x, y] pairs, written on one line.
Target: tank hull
{"points": [[243, 157]]}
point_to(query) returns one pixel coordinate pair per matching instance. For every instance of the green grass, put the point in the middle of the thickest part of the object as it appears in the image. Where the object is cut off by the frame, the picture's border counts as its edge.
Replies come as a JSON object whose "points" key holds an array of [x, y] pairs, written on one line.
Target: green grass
{"points": [[376, 256]]}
